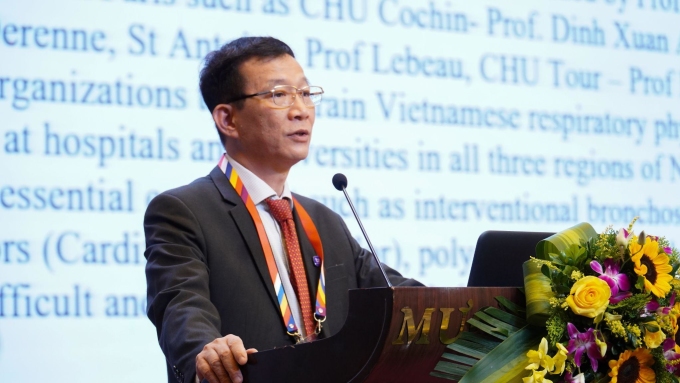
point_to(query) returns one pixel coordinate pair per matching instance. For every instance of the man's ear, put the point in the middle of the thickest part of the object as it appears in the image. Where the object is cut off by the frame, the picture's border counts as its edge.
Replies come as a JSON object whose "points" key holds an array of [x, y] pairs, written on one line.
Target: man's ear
{"points": [[223, 115]]}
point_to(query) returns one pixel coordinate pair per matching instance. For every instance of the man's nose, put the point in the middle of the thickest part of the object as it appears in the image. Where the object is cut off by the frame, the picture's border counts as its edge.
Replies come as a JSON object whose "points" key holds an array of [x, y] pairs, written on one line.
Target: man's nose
{"points": [[299, 110]]}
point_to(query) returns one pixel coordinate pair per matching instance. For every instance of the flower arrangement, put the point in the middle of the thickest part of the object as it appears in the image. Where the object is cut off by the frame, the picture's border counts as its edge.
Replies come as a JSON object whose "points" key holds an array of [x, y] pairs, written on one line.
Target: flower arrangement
{"points": [[609, 308]]}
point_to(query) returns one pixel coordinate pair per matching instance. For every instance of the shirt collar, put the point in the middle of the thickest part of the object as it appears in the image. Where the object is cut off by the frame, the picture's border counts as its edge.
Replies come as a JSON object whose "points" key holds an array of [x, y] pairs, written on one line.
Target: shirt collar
{"points": [[257, 188]]}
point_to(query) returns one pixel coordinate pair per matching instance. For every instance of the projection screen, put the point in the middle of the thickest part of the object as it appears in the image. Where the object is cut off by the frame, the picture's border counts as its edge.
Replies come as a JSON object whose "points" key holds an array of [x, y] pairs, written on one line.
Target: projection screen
{"points": [[448, 118]]}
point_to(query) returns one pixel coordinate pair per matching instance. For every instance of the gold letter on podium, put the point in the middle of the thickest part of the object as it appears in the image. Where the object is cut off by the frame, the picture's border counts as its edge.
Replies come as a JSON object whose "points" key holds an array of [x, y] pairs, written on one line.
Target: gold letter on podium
{"points": [[408, 325]]}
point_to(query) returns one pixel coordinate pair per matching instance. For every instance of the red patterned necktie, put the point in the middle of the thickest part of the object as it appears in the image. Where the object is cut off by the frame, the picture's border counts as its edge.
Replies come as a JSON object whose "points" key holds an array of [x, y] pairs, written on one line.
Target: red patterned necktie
{"points": [[280, 210]]}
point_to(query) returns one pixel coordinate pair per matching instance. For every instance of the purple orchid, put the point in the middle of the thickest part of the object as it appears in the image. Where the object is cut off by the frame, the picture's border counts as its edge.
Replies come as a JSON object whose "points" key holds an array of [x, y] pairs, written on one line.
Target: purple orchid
{"points": [[568, 378], [618, 283], [670, 355], [580, 342], [654, 306]]}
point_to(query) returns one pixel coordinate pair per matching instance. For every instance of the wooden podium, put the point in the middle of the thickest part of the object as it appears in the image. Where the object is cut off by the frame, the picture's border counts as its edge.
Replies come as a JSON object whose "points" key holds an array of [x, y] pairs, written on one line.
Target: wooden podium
{"points": [[396, 334]]}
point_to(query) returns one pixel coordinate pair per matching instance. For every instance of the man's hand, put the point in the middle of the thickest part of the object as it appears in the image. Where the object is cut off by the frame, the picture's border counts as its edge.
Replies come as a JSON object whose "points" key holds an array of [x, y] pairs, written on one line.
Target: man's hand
{"points": [[220, 359]]}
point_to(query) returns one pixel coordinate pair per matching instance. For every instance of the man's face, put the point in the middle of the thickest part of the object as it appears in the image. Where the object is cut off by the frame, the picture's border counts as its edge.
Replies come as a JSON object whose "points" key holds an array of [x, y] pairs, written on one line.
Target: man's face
{"points": [[267, 136]]}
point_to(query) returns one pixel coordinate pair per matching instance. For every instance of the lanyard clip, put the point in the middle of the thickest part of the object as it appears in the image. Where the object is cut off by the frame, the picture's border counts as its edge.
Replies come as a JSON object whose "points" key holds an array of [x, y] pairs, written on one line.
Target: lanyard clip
{"points": [[319, 320], [296, 335]]}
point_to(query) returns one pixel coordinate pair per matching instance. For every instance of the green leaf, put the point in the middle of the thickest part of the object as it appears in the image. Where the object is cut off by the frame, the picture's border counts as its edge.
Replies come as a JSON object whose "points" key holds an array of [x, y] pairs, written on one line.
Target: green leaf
{"points": [[506, 362], [448, 370], [511, 306], [444, 376], [562, 279], [471, 346], [582, 257], [561, 289], [476, 346], [545, 270], [472, 351], [460, 359], [561, 241], [556, 259], [508, 318], [493, 331], [495, 322], [478, 338]]}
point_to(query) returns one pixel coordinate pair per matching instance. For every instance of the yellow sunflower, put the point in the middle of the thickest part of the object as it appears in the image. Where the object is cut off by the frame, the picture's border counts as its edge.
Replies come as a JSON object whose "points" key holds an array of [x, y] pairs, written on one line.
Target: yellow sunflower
{"points": [[652, 265], [633, 367]]}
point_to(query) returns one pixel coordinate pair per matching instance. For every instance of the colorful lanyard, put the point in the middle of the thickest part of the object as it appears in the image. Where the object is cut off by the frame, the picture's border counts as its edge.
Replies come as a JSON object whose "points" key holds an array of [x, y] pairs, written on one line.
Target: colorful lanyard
{"points": [[312, 235]]}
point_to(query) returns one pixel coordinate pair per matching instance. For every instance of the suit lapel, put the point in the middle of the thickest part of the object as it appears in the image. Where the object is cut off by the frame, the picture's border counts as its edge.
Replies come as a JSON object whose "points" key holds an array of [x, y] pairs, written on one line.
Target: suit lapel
{"points": [[246, 226], [244, 222]]}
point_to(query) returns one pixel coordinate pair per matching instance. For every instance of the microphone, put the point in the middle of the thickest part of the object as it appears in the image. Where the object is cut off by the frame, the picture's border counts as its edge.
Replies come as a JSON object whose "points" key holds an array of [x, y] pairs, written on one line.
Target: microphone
{"points": [[340, 183]]}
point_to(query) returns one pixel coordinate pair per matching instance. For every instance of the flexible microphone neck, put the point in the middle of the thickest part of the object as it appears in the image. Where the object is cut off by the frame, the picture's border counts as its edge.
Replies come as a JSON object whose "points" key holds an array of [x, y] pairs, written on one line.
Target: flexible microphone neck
{"points": [[340, 183]]}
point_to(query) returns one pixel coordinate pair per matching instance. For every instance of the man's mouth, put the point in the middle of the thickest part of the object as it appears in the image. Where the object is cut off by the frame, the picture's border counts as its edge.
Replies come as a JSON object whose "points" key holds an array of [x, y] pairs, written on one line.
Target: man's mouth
{"points": [[300, 133]]}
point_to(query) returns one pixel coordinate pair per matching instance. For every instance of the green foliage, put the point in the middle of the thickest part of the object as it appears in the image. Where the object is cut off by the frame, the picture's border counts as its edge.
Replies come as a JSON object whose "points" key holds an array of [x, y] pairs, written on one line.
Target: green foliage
{"points": [[633, 340], [546, 271], [662, 375], [556, 326], [574, 256], [664, 302], [630, 307], [674, 257], [560, 279], [506, 362], [511, 307], [483, 347], [664, 242], [605, 245]]}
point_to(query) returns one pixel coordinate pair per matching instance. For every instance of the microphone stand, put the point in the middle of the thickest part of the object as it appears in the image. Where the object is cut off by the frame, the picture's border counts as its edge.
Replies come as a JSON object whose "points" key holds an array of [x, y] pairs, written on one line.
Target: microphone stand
{"points": [[340, 183]]}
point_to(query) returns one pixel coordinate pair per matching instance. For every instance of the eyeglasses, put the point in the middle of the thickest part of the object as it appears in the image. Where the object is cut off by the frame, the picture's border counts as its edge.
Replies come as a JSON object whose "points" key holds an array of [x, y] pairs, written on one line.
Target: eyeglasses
{"points": [[283, 96]]}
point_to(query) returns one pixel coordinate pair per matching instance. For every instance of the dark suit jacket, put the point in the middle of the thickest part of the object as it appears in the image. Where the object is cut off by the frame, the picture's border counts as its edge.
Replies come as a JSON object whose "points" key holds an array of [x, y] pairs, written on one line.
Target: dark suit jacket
{"points": [[207, 276]]}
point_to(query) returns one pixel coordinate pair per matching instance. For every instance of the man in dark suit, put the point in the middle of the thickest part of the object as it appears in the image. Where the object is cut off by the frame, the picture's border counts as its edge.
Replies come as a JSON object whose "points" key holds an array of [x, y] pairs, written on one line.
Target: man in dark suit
{"points": [[212, 248]]}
